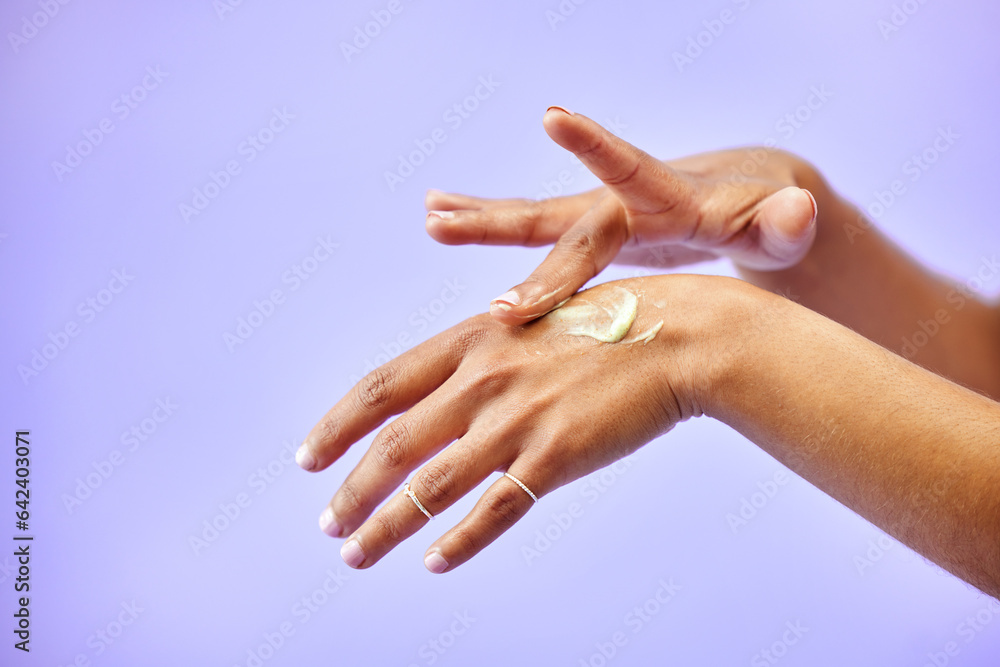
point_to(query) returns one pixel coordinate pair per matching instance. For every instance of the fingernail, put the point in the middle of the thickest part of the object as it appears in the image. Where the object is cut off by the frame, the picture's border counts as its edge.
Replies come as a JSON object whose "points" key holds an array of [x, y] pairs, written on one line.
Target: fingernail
{"points": [[444, 215], [435, 562], [510, 298], [352, 554], [815, 206], [328, 523], [559, 108], [304, 457], [433, 191]]}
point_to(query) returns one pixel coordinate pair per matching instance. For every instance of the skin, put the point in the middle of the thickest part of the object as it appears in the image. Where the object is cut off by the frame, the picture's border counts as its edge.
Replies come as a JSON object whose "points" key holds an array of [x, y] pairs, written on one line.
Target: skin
{"points": [[756, 210], [911, 450]]}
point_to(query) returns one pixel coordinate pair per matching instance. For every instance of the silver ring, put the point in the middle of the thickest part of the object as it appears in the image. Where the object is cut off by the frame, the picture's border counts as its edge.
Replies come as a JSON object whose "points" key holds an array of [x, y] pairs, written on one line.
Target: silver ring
{"points": [[413, 497], [521, 484]]}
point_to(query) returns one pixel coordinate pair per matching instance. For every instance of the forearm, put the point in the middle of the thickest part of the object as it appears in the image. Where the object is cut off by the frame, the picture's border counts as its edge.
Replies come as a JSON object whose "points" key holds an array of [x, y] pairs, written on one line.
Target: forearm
{"points": [[856, 276], [913, 453]]}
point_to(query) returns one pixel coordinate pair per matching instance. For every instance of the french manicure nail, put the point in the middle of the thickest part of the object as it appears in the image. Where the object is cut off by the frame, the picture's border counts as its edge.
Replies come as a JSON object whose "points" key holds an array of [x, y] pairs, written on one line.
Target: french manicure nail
{"points": [[328, 523], [435, 562], [510, 298], [444, 215], [304, 457], [352, 554], [559, 108]]}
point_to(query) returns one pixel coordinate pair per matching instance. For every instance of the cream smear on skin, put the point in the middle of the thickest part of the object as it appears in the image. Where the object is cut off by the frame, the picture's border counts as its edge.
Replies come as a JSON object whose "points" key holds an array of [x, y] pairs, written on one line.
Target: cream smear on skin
{"points": [[606, 316]]}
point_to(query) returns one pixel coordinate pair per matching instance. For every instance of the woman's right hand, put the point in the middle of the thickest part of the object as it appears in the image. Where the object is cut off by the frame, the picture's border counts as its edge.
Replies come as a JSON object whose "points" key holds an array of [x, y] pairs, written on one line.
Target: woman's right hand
{"points": [[744, 204]]}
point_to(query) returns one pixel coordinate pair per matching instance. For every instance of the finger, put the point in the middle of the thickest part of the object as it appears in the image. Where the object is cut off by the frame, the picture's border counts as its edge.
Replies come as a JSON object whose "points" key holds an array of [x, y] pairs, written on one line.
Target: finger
{"points": [[645, 185], [437, 486], [529, 224], [386, 391], [579, 255], [436, 200], [451, 201], [503, 505], [786, 224], [399, 447], [507, 221]]}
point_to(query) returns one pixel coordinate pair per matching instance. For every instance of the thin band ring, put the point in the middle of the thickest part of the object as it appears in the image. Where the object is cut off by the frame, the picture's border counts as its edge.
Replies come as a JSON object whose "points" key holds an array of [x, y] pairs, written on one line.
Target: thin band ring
{"points": [[413, 497], [521, 484]]}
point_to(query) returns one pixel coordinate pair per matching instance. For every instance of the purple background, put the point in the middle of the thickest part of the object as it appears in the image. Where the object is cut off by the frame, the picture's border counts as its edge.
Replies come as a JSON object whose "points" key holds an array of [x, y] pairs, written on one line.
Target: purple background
{"points": [[162, 337]]}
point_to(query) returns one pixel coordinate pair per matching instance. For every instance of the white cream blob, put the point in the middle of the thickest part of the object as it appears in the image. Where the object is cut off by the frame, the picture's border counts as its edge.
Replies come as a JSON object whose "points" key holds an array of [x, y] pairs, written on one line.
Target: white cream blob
{"points": [[647, 335], [606, 315]]}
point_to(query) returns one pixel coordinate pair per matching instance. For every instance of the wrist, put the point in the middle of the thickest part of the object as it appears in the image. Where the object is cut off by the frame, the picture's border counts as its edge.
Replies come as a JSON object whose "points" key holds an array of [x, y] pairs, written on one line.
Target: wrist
{"points": [[710, 325], [736, 321]]}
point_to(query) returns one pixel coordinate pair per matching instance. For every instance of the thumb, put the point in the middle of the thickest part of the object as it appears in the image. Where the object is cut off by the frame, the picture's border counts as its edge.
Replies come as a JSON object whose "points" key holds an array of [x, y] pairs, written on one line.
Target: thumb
{"points": [[582, 252], [643, 183], [786, 221]]}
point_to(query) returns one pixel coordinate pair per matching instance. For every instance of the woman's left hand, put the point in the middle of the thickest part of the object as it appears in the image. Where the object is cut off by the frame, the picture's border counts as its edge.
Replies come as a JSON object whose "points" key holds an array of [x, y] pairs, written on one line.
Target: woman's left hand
{"points": [[546, 406]]}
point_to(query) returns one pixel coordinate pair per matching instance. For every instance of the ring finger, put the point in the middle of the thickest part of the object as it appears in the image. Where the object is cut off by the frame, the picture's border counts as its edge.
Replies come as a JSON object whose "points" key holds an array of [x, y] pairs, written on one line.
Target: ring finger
{"points": [[436, 486]]}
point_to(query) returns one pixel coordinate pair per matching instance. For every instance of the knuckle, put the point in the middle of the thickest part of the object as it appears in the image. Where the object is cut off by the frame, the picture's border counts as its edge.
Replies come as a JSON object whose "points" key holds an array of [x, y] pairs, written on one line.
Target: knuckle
{"points": [[390, 448], [491, 378], [437, 485], [348, 501], [472, 332], [327, 430], [466, 541], [624, 175], [536, 211], [598, 147], [374, 391], [386, 529], [580, 243], [504, 506]]}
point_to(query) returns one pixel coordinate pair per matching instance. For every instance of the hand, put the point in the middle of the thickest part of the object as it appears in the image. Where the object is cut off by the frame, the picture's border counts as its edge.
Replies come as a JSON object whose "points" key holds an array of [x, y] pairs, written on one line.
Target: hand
{"points": [[649, 213], [546, 406]]}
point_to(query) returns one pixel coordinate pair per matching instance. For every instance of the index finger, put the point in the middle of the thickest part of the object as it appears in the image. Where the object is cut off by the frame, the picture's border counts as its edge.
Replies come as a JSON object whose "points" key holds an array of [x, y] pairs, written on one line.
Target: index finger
{"points": [[645, 185], [388, 390]]}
